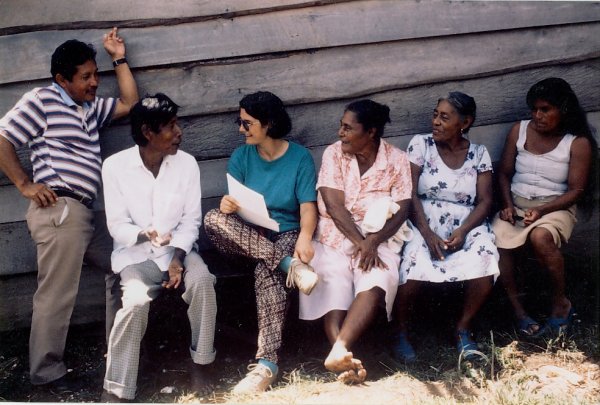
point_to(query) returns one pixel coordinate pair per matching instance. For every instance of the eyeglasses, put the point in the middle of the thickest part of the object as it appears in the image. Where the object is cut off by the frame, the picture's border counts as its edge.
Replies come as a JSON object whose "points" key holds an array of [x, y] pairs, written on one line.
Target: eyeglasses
{"points": [[245, 123]]}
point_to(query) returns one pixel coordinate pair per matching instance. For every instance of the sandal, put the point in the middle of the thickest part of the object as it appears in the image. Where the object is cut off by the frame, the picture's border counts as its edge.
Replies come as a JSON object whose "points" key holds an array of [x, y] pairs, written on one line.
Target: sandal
{"points": [[465, 345], [402, 349], [557, 326], [527, 326]]}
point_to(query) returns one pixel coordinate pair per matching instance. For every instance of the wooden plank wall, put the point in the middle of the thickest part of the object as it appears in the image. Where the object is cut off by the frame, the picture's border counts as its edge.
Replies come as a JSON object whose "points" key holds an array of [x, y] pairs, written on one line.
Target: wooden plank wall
{"points": [[316, 55]]}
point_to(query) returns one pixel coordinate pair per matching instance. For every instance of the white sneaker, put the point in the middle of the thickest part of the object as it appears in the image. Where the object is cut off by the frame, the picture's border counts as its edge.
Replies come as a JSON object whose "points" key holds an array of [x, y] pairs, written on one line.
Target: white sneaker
{"points": [[301, 275], [257, 380]]}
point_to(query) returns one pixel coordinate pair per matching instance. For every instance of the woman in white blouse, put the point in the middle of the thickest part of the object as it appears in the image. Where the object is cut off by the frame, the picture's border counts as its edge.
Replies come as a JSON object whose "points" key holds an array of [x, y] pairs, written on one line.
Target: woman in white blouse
{"points": [[544, 171]]}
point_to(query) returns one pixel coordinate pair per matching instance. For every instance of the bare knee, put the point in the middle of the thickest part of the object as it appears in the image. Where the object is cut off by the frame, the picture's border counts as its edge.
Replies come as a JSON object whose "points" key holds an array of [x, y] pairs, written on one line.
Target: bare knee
{"points": [[378, 292], [408, 289], [375, 294], [481, 282], [542, 241], [334, 317]]}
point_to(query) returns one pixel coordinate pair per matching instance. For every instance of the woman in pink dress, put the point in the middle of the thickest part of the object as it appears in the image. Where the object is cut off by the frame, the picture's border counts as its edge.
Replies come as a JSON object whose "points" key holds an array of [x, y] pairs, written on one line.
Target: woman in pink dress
{"points": [[357, 271]]}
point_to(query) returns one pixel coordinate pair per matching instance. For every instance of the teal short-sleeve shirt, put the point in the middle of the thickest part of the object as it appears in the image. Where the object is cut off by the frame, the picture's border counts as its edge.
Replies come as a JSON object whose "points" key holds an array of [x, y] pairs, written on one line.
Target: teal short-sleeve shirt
{"points": [[285, 182]]}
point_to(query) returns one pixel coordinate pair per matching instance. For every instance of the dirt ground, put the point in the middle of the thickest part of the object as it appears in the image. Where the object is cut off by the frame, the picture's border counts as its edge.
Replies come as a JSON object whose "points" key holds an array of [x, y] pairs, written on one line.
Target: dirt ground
{"points": [[512, 371], [561, 371]]}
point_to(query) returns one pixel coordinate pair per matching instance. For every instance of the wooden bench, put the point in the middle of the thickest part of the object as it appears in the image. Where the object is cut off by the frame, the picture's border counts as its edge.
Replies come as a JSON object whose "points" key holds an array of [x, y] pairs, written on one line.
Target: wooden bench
{"points": [[18, 286]]}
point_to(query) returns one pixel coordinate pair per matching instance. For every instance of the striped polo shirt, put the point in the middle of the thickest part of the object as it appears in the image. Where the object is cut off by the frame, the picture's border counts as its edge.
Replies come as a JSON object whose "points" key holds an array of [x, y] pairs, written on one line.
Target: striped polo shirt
{"points": [[62, 136]]}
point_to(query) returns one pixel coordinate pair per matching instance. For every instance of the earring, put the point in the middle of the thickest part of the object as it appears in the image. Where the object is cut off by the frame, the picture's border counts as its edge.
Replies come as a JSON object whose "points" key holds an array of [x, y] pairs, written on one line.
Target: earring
{"points": [[462, 131]]}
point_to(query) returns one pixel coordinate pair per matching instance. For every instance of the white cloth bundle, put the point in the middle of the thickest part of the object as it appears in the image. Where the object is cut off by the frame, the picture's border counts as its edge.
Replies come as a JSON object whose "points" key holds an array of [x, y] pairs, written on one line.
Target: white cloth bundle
{"points": [[377, 214]]}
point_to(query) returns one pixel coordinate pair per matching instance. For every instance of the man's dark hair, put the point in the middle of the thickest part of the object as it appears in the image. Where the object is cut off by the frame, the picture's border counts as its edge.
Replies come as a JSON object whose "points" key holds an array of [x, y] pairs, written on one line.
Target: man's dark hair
{"points": [[68, 56], [152, 111]]}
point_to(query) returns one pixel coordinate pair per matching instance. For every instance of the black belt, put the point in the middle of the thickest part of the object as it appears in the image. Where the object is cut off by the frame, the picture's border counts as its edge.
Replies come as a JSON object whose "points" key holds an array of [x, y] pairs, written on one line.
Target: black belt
{"points": [[61, 192]]}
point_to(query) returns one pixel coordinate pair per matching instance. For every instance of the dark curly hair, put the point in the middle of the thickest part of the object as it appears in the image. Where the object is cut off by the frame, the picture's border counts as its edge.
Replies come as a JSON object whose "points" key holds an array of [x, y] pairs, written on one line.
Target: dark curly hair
{"points": [[68, 56], [269, 110], [153, 111]]}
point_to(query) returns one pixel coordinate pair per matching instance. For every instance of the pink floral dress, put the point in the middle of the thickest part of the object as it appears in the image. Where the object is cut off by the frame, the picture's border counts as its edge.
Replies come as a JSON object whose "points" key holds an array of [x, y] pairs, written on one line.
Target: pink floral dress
{"points": [[388, 177]]}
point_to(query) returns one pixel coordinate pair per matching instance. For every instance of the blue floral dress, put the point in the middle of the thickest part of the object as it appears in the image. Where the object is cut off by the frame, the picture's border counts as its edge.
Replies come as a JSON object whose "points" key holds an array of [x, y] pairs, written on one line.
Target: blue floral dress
{"points": [[448, 197]]}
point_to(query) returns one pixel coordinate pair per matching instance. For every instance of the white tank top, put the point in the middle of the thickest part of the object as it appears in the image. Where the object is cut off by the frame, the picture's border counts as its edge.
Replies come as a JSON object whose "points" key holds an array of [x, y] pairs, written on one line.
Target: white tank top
{"points": [[541, 175]]}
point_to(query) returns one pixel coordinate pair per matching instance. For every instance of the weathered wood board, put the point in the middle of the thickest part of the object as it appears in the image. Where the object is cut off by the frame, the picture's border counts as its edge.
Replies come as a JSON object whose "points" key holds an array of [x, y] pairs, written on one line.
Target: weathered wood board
{"points": [[17, 298], [20, 15], [500, 99], [352, 72], [334, 25], [316, 55], [15, 240], [17, 291]]}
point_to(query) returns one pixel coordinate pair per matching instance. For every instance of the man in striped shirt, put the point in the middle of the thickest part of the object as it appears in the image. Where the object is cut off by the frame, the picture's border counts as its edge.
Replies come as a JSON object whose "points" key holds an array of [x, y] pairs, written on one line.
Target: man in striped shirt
{"points": [[60, 125]]}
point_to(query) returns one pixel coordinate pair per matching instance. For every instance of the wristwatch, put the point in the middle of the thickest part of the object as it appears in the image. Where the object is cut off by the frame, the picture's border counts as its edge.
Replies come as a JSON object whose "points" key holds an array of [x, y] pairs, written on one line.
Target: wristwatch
{"points": [[118, 62]]}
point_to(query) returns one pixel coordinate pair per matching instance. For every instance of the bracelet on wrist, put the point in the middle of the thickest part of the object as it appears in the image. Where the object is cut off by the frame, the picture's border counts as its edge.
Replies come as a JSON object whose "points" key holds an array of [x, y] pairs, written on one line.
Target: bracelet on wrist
{"points": [[119, 61]]}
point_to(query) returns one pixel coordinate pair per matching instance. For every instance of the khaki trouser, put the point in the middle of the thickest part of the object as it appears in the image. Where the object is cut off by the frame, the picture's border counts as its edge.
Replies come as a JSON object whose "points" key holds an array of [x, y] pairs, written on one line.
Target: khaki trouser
{"points": [[65, 236]]}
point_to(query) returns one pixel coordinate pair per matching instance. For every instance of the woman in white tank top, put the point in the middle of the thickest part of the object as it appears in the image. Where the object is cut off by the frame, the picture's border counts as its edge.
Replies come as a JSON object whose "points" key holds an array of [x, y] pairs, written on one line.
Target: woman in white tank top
{"points": [[544, 171]]}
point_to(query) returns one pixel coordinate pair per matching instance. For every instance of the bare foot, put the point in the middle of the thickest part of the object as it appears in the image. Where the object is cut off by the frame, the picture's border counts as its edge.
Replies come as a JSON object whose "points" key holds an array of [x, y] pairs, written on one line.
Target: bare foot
{"points": [[202, 379], [340, 359], [350, 377]]}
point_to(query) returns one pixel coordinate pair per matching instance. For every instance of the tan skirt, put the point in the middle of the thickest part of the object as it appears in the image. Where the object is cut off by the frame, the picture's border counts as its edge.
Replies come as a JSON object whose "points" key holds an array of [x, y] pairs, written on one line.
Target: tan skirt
{"points": [[559, 223]]}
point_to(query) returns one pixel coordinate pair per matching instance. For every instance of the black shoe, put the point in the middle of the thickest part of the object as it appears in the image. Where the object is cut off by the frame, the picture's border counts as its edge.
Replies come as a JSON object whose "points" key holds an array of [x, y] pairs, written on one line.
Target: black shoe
{"points": [[66, 383], [112, 398]]}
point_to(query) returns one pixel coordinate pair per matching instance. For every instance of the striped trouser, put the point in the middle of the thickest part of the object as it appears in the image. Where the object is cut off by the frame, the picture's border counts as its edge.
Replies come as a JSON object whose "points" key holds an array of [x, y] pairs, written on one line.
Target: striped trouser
{"points": [[232, 236], [141, 283]]}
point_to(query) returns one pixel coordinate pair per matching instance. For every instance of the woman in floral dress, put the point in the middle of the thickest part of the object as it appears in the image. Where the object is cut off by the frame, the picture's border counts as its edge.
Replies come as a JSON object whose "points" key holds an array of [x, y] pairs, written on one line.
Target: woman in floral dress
{"points": [[451, 200]]}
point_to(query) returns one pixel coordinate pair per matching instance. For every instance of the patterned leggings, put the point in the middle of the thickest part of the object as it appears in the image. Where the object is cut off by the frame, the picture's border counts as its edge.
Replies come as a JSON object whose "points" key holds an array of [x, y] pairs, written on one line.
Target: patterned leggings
{"points": [[232, 236]]}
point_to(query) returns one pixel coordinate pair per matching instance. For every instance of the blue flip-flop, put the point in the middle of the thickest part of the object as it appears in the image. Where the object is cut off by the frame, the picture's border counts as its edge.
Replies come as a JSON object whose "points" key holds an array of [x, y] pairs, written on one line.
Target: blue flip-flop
{"points": [[525, 325], [466, 345], [556, 326], [402, 349]]}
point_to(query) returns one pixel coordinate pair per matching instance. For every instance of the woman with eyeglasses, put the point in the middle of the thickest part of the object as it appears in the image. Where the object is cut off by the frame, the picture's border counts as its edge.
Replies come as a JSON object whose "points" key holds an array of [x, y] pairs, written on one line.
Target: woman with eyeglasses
{"points": [[357, 268], [547, 166], [453, 241], [284, 173]]}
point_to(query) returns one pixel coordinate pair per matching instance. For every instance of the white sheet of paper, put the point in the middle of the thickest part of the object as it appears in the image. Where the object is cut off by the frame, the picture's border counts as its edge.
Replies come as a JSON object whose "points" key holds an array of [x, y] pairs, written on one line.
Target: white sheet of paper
{"points": [[252, 205]]}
